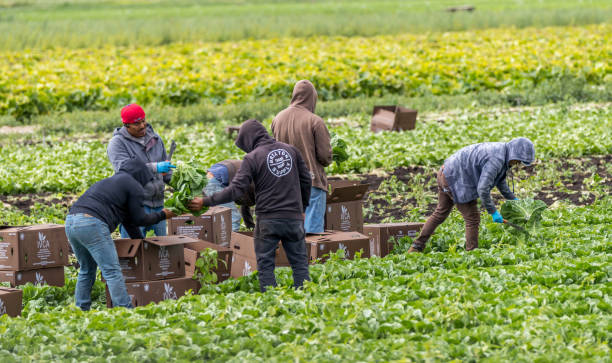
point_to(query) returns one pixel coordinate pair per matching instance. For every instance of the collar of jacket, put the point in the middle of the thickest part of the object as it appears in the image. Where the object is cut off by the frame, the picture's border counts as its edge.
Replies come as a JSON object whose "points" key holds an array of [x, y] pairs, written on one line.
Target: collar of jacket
{"points": [[148, 140]]}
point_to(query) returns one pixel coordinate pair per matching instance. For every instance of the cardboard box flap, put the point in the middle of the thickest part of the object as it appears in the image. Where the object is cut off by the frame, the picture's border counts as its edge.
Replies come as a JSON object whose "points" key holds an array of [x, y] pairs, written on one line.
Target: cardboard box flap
{"points": [[8, 290], [334, 236], [202, 245], [346, 191], [127, 247], [240, 237], [164, 241], [37, 227]]}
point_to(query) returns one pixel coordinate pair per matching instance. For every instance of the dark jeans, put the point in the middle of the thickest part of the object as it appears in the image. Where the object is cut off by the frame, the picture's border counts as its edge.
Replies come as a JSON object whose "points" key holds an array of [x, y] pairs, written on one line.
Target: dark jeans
{"points": [[469, 211], [268, 232]]}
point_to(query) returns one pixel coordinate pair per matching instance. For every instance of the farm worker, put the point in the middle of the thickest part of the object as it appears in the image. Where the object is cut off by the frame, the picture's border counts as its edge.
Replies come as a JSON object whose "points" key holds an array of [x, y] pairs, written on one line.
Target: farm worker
{"points": [[219, 176], [137, 140], [471, 173], [95, 215], [282, 191], [297, 125]]}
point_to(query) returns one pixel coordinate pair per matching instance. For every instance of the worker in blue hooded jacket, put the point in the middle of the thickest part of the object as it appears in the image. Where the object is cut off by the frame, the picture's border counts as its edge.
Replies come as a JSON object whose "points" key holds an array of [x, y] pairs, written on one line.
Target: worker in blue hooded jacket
{"points": [[472, 173]]}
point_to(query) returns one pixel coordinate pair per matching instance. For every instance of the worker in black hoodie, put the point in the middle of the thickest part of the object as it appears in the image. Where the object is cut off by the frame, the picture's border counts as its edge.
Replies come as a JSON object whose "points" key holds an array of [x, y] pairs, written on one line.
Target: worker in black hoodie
{"points": [[92, 218], [282, 191]]}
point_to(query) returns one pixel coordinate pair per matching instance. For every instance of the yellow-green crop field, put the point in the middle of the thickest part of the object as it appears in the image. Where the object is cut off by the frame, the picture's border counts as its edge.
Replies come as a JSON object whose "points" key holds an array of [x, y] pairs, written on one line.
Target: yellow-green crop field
{"points": [[40, 81]]}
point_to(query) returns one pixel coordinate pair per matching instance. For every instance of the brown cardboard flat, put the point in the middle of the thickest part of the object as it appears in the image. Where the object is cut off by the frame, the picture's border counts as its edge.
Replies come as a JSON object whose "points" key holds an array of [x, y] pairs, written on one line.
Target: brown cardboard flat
{"points": [[10, 301], [52, 276], [346, 191], [33, 247], [152, 258], [392, 118], [223, 269], [242, 265], [145, 292], [243, 244], [382, 235], [331, 241], [213, 226]]}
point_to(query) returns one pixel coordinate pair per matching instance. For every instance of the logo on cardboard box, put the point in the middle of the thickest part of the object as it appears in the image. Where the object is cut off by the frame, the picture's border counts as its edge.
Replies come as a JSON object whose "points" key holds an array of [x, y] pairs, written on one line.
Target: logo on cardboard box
{"points": [[223, 235], [40, 280], [342, 246], [247, 269], [43, 242], [2, 308], [345, 219], [169, 292]]}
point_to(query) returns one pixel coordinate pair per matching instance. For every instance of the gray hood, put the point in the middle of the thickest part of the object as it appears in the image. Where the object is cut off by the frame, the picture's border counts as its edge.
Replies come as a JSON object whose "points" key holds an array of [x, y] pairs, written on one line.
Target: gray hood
{"points": [[521, 149]]}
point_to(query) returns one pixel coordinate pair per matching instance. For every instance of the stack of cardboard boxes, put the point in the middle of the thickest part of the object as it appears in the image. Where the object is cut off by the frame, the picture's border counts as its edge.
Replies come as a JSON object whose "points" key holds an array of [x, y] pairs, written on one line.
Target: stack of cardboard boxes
{"points": [[154, 268], [35, 254]]}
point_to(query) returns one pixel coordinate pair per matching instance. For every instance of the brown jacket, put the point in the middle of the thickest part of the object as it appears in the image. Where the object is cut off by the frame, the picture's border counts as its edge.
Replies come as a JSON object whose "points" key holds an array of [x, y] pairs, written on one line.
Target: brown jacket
{"points": [[297, 125]]}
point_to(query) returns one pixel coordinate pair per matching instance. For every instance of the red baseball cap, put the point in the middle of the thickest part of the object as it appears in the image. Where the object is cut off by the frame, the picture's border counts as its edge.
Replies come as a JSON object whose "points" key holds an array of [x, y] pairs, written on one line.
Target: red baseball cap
{"points": [[132, 113]]}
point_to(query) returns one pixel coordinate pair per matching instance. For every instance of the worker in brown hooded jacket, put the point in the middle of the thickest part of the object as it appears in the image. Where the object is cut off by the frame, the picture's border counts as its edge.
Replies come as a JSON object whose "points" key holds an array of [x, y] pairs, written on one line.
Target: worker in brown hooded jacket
{"points": [[297, 125]]}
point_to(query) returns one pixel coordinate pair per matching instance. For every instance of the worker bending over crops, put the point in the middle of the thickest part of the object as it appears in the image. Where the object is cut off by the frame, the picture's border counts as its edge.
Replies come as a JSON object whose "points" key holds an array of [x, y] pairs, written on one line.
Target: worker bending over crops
{"points": [[95, 215], [137, 140], [471, 173], [282, 191], [219, 177], [297, 125]]}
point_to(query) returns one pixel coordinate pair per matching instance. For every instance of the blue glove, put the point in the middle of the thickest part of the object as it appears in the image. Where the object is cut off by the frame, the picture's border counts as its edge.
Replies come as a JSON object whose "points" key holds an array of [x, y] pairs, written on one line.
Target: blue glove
{"points": [[515, 198], [497, 218], [164, 166]]}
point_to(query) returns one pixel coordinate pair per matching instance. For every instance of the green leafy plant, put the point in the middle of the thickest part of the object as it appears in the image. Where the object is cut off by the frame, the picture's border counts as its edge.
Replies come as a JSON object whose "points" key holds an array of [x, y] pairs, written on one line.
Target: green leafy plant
{"points": [[188, 181], [206, 264], [526, 213], [338, 148]]}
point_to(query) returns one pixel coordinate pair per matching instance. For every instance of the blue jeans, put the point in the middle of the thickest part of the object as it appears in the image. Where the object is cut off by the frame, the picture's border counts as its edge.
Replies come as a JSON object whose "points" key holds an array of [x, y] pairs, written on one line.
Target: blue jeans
{"points": [[315, 212], [93, 246], [268, 232], [215, 186], [159, 228]]}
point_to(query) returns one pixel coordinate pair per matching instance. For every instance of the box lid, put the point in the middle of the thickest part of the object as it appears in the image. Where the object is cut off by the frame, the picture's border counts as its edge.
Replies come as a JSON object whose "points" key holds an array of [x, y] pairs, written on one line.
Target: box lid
{"points": [[172, 240], [346, 191], [391, 225], [334, 236], [127, 247], [202, 245], [8, 290]]}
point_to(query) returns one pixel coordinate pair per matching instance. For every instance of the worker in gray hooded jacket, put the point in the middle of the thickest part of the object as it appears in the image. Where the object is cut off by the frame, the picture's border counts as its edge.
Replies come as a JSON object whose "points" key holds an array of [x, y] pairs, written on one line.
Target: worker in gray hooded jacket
{"points": [[472, 173], [137, 140]]}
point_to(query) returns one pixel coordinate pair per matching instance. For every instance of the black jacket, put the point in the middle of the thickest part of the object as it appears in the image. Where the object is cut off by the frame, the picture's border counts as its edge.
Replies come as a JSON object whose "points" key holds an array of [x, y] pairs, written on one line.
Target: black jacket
{"points": [[119, 199], [281, 177], [248, 199]]}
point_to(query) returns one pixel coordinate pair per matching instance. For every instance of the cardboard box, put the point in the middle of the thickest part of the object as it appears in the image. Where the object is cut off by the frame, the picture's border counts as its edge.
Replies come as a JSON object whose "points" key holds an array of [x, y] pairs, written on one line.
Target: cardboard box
{"points": [[344, 211], [332, 241], [223, 269], [145, 292], [243, 265], [382, 235], [152, 258], [213, 226], [392, 118], [33, 247], [243, 244], [52, 276], [10, 301]]}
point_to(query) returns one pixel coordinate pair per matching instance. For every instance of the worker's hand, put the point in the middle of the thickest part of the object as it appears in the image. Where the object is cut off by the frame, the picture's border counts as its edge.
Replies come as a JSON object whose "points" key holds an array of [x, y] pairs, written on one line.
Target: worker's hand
{"points": [[196, 204], [497, 217], [164, 166], [168, 213]]}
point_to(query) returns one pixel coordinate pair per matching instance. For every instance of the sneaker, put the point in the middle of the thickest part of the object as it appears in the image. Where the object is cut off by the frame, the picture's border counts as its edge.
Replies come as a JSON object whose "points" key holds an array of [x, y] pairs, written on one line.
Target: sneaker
{"points": [[414, 250]]}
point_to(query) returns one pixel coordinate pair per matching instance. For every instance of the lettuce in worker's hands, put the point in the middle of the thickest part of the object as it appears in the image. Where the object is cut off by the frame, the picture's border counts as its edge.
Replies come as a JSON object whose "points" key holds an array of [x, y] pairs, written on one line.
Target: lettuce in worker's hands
{"points": [[188, 182], [526, 213], [339, 154]]}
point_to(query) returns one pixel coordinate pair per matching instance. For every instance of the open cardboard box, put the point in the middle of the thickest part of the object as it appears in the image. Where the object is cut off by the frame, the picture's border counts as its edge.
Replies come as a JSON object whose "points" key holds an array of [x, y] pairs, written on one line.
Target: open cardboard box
{"points": [[383, 235], [213, 226], [192, 252], [392, 118], [344, 210]]}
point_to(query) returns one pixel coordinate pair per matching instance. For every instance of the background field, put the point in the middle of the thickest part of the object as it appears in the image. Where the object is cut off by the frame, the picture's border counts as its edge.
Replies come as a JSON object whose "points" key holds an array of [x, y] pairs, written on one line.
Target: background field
{"points": [[538, 69]]}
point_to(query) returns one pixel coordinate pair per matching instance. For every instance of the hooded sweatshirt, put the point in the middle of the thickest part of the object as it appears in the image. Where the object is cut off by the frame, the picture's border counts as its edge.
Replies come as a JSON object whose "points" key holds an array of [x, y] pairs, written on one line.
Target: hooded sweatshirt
{"points": [[297, 125], [474, 170], [281, 178], [150, 150], [118, 199]]}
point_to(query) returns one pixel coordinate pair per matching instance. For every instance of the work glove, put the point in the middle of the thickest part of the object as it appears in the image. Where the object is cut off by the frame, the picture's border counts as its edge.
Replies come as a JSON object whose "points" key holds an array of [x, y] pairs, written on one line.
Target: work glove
{"points": [[497, 217], [164, 166]]}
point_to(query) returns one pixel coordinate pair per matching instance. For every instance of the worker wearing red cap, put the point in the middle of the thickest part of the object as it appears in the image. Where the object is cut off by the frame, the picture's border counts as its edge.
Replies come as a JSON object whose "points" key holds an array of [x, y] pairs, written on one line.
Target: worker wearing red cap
{"points": [[137, 140]]}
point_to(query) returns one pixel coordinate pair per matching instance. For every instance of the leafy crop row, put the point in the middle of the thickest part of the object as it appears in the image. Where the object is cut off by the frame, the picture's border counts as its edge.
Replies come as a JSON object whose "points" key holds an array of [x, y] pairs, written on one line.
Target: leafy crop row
{"points": [[67, 165], [547, 299], [36, 82]]}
